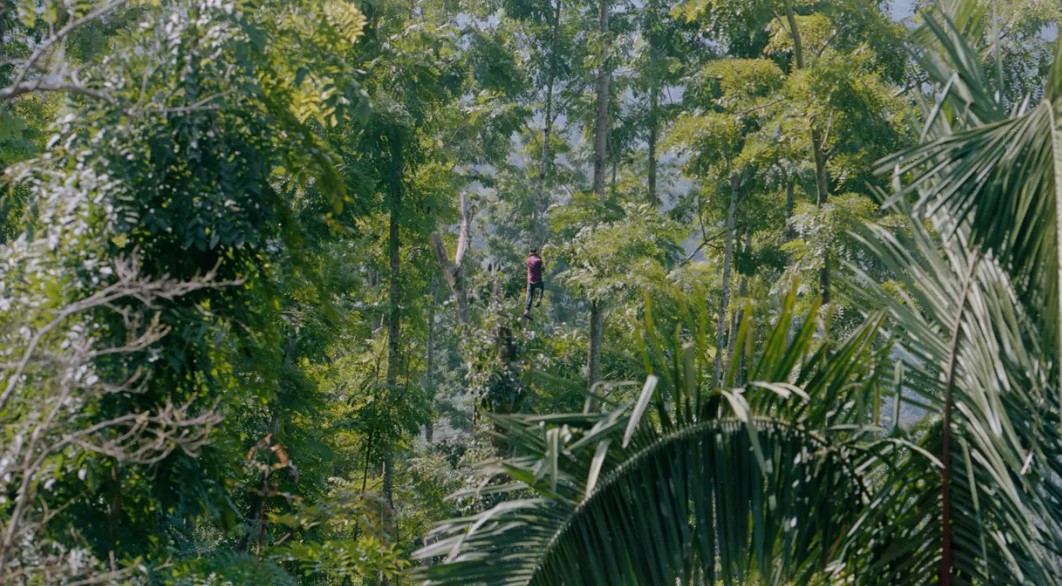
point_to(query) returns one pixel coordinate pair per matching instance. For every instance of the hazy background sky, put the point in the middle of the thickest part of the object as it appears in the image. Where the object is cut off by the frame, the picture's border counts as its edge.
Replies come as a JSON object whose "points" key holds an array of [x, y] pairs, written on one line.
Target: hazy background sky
{"points": [[902, 8]]}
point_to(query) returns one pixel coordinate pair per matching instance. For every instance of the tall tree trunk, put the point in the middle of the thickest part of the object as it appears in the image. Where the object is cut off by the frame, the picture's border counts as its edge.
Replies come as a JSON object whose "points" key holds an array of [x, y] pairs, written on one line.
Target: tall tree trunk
{"points": [[822, 179], [615, 170], [822, 190], [654, 105], [429, 369], [429, 377], [388, 493], [394, 348], [602, 124], [790, 233], [593, 357], [728, 257], [737, 354], [546, 161], [790, 205], [602, 121]]}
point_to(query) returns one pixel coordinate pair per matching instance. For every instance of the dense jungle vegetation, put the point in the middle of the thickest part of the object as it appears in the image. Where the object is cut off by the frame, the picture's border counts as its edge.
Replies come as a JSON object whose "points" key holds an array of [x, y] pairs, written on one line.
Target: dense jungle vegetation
{"points": [[262, 292]]}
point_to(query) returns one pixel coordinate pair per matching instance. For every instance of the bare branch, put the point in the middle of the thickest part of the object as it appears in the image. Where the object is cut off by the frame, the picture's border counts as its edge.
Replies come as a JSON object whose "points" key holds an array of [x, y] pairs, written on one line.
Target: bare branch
{"points": [[463, 231], [51, 41], [52, 382], [206, 103], [128, 285], [443, 258], [41, 84], [454, 272]]}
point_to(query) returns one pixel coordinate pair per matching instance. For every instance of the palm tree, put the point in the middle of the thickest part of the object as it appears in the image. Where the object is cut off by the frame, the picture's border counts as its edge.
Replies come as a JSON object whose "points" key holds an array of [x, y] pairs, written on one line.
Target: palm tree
{"points": [[644, 492], [793, 478], [991, 171]]}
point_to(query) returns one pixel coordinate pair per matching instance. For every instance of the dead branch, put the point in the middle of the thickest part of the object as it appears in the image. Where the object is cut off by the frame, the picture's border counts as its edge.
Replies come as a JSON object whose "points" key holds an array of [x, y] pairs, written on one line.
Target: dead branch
{"points": [[20, 85], [454, 272], [50, 382]]}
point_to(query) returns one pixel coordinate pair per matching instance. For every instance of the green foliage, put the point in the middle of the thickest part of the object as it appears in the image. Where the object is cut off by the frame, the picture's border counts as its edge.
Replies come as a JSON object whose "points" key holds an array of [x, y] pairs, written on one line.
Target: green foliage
{"points": [[827, 231], [665, 466], [626, 256], [673, 458], [210, 373], [227, 569], [992, 168], [346, 541], [1011, 39]]}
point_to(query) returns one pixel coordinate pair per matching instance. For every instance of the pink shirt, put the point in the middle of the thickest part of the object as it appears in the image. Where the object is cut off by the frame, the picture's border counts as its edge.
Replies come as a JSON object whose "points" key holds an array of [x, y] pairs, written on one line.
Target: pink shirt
{"points": [[534, 269]]}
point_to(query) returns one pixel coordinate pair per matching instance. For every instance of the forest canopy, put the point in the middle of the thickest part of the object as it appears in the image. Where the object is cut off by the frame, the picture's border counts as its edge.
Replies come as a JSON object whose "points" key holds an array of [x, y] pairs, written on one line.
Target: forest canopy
{"points": [[536, 292]]}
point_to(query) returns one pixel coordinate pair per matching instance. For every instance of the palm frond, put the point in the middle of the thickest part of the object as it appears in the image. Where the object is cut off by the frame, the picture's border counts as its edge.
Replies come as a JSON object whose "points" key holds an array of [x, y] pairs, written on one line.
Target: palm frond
{"points": [[974, 350], [695, 494], [997, 175], [696, 505]]}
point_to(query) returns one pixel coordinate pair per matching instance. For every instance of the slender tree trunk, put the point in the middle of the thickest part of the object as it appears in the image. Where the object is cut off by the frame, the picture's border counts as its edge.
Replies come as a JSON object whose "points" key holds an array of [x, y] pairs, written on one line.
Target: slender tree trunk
{"points": [[790, 233], [593, 358], [822, 179], [737, 354], [654, 105], [546, 161], [454, 274], [461, 295], [822, 190], [392, 517], [429, 369], [728, 257], [602, 121], [394, 348], [790, 205], [602, 124], [615, 171]]}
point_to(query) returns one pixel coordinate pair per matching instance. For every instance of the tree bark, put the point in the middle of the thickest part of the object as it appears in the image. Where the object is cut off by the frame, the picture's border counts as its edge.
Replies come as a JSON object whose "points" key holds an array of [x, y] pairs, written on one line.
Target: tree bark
{"points": [[593, 357], [392, 518], [394, 348], [822, 179], [790, 232], [615, 170], [737, 354], [790, 205], [394, 266], [601, 130], [728, 257], [654, 105], [822, 191], [602, 121], [429, 369], [429, 378], [454, 272]]}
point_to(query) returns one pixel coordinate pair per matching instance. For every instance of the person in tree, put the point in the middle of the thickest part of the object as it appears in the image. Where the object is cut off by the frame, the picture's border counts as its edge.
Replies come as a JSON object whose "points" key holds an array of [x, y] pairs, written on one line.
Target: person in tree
{"points": [[534, 281]]}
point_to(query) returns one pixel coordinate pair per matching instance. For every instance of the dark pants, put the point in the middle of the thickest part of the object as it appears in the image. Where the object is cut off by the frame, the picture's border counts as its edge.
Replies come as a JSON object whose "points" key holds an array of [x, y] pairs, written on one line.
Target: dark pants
{"points": [[531, 288]]}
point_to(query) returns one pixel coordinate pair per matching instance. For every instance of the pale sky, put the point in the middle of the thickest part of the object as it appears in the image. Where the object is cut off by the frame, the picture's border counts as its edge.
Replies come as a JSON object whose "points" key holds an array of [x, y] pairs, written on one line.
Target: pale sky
{"points": [[902, 8]]}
